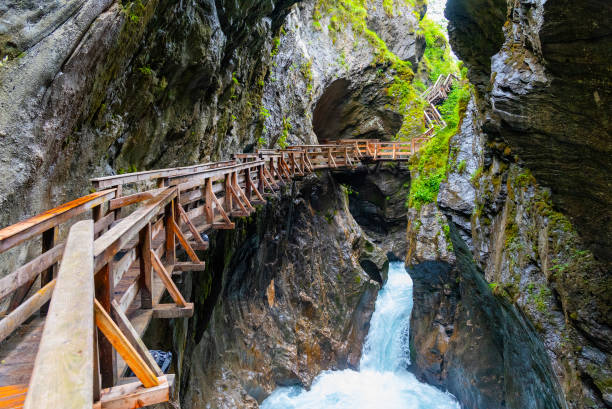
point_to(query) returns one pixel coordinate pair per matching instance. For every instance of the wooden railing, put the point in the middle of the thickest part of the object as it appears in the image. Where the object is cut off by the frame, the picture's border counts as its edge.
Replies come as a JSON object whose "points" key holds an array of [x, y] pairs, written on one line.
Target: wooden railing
{"points": [[113, 269]]}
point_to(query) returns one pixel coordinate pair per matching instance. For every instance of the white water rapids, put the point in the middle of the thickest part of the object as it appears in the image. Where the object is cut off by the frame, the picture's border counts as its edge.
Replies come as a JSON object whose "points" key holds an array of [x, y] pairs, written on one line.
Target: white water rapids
{"points": [[382, 381]]}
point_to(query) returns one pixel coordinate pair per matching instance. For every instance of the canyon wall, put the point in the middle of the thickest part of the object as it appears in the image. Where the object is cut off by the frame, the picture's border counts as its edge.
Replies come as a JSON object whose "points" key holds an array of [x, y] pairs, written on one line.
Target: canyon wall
{"points": [[511, 263]]}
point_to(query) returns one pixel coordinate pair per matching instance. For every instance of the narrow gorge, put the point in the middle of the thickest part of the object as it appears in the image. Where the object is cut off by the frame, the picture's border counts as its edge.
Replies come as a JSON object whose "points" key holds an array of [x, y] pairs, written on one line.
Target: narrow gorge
{"points": [[306, 204]]}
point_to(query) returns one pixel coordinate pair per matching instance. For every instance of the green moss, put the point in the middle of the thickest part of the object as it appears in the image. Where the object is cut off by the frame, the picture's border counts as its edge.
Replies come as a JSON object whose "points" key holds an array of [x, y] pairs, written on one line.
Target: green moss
{"points": [[282, 140], [437, 59]]}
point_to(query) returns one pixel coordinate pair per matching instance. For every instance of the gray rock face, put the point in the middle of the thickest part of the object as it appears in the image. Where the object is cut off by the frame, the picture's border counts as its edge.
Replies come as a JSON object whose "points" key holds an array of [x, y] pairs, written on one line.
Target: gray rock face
{"points": [[325, 83], [547, 94], [90, 88], [377, 201]]}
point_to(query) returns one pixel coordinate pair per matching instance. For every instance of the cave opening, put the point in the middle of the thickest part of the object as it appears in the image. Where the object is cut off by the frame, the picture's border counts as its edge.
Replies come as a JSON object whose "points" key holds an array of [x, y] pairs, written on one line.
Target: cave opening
{"points": [[354, 109]]}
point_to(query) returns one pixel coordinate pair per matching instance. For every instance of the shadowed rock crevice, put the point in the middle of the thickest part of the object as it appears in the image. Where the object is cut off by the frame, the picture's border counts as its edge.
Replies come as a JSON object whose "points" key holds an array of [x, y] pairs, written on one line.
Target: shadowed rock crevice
{"points": [[355, 110]]}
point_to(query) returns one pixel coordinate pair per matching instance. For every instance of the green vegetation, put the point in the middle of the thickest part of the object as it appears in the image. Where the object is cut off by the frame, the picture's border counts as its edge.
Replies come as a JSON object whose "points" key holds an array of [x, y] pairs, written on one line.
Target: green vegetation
{"points": [[145, 70], [437, 59], [282, 140], [306, 70]]}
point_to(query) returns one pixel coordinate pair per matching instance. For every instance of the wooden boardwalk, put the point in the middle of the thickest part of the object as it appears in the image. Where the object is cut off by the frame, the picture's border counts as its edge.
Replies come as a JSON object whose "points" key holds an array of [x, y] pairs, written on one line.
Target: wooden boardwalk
{"points": [[76, 313]]}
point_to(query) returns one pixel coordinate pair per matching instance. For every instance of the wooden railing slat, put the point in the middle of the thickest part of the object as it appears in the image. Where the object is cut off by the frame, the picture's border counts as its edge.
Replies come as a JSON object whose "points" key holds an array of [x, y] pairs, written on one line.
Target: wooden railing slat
{"points": [[62, 376], [19, 232]]}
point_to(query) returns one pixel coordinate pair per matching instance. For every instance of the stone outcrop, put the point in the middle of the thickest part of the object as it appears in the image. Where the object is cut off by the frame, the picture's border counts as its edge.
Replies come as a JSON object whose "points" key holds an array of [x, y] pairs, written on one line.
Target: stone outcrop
{"points": [[377, 201], [325, 82]]}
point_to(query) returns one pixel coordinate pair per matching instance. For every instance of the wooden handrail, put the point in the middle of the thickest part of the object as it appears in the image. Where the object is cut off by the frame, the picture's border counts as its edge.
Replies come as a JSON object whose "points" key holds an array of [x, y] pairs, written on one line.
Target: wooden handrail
{"points": [[19, 232], [63, 369]]}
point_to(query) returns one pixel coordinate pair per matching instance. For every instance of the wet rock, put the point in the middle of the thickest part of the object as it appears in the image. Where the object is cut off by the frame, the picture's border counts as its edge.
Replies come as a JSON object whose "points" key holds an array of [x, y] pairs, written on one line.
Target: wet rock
{"points": [[541, 70]]}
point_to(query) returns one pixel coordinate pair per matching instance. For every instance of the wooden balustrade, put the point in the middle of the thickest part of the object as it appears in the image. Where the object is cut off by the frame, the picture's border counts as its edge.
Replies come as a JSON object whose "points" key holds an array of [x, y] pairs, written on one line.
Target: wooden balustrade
{"points": [[126, 255]]}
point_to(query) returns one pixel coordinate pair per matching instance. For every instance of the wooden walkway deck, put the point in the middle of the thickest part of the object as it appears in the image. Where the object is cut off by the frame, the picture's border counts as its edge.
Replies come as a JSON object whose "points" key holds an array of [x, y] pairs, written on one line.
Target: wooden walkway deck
{"points": [[69, 343]]}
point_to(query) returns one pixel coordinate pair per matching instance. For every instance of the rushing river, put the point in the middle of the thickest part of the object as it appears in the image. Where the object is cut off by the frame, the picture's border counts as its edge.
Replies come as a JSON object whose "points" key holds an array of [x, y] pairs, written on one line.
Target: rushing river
{"points": [[382, 381]]}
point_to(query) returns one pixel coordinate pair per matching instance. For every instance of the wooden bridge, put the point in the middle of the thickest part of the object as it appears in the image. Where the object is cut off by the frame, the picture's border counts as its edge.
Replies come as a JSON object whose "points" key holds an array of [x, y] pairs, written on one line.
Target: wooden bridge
{"points": [[74, 314]]}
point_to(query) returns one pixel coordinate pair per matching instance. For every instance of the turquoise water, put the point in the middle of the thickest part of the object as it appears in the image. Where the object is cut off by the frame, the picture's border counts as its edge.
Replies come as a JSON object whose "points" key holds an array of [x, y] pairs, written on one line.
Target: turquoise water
{"points": [[382, 381]]}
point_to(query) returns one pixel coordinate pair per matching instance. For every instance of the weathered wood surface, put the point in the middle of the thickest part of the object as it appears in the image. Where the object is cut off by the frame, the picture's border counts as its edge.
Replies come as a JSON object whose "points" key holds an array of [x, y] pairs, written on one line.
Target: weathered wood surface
{"points": [[19, 232], [64, 365]]}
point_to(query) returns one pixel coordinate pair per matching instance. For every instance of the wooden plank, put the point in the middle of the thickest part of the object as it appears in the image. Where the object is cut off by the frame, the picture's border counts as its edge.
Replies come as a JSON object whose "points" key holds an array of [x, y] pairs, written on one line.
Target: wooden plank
{"points": [[13, 396], [19, 232], [188, 182], [30, 270], [132, 336], [129, 295], [135, 198], [108, 244], [135, 395], [62, 376], [169, 311], [101, 224], [124, 347], [116, 180], [120, 267], [25, 310], [189, 266], [167, 280]]}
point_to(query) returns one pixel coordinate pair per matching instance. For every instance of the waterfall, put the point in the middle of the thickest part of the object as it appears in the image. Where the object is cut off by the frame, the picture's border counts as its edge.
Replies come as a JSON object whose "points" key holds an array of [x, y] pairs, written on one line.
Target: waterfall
{"points": [[382, 381]]}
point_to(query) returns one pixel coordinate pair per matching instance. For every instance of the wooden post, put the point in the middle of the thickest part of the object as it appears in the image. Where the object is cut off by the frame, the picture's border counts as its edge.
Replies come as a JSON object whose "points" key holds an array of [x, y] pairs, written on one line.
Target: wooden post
{"points": [[170, 243], [412, 146], [146, 273], [108, 357], [247, 183], [260, 182], [48, 242], [229, 205], [208, 204]]}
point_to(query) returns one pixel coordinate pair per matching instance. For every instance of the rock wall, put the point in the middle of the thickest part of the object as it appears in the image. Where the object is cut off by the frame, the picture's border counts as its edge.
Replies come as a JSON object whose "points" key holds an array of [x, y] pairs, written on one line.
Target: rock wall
{"points": [[524, 209], [284, 297], [542, 69], [90, 88], [537, 336]]}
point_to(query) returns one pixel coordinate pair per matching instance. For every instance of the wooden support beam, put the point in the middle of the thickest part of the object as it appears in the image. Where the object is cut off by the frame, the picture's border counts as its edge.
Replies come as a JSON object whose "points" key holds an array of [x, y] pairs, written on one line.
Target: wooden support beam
{"points": [[179, 234], [131, 357], [62, 376], [167, 280], [241, 195], [194, 232], [189, 266], [169, 311], [132, 336]]}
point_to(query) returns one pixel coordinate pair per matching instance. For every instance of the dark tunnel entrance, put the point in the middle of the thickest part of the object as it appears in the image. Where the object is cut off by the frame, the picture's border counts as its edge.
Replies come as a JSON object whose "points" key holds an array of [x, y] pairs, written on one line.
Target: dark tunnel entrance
{"points": [[354, 110]]}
